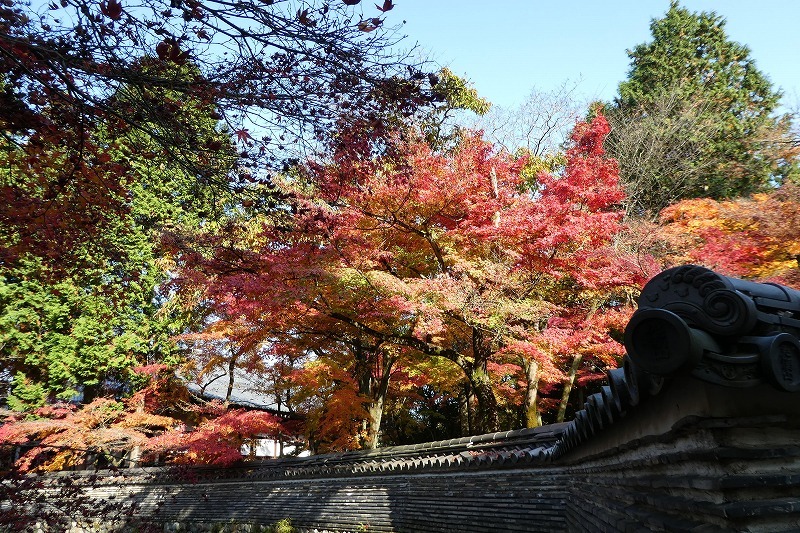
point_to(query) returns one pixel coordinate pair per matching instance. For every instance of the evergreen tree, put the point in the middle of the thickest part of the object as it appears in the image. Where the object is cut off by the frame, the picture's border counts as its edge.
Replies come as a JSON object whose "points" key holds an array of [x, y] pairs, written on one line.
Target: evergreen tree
{"points": [[70, 327], [695, 118]]}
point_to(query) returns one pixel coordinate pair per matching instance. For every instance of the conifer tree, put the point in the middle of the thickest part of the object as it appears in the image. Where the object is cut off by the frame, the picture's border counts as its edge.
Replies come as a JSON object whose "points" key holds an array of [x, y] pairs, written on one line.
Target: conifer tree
{"points": [[696, 117]]}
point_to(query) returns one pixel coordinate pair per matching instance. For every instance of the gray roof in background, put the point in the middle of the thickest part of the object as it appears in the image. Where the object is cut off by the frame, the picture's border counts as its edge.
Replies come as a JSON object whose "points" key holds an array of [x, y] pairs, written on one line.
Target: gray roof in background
{"points": [[245, 391]]}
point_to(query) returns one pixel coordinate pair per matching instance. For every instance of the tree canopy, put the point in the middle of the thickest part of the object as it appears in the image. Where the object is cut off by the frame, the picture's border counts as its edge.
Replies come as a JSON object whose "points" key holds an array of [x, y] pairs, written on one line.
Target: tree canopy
{"points": [[163, 221], [696, 117], [123, 122], [274, 76], [449, 258], [280, 63], [81, 261]]}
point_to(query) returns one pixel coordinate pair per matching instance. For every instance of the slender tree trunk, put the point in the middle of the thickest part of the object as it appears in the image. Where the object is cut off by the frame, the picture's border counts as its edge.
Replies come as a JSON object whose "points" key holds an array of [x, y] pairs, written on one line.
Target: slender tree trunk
{"points": [[231, 368], [134, 456], [532, 417], [487, 419], [362, 369], [465, 410], [136, 451], [496, 194], [562, 408]]}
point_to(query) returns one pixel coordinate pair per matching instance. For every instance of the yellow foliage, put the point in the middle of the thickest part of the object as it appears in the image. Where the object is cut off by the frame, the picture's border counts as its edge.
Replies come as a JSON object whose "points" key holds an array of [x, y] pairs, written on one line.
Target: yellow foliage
{"points": [[147, 420], [63, 460], [754, 237]]}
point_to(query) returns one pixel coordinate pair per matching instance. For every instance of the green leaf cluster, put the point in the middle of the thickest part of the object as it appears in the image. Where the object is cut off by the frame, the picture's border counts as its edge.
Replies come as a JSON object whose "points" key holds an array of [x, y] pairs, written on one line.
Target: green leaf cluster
{"points": [[458, 93], [80, 327], [454, 94], [82, 331]]}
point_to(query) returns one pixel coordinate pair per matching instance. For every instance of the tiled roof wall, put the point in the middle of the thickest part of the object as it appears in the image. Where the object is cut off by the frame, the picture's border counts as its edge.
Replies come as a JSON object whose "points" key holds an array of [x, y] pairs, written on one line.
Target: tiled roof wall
{"points": [[696, 456]]}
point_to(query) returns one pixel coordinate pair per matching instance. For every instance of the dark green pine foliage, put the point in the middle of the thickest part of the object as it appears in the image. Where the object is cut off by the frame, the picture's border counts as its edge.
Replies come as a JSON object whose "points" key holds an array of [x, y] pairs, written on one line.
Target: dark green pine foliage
{"points": [[695, 118]]}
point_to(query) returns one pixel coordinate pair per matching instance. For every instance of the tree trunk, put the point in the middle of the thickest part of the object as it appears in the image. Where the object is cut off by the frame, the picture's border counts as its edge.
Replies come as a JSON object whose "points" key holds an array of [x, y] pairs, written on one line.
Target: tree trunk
{"points": [[231, 368], [136, 451], [532, 417], [375, 412], [375, 389], [465, 411], [487, 420], [134, 456], [562, 408]]}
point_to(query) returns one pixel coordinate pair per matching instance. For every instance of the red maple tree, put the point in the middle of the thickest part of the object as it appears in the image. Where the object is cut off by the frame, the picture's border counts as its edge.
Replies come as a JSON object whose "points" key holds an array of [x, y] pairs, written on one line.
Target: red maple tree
{"points": [[754, 237], [160, 424], [410, 254]]}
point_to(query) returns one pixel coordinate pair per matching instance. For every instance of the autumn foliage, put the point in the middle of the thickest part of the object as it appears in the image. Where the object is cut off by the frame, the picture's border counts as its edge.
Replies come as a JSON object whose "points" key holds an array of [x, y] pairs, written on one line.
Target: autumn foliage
{"points": [[89, 91], [754, 237], [192, 191], [397, 282], [157, 425], [450, 260]]}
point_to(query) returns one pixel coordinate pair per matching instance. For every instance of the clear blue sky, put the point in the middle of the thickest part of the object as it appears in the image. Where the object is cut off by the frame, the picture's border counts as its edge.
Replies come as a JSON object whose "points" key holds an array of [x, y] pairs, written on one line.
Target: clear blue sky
{"points": [[509, 47]]}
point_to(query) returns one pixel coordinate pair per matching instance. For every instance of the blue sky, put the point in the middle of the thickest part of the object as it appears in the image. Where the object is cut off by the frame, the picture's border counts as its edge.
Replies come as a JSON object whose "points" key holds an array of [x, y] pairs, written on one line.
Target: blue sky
{"points": [[509, 47]]}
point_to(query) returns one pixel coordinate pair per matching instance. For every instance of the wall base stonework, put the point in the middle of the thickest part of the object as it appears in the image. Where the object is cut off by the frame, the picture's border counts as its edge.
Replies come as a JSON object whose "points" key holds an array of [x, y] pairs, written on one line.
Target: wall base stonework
{"points": [[710, 475]]}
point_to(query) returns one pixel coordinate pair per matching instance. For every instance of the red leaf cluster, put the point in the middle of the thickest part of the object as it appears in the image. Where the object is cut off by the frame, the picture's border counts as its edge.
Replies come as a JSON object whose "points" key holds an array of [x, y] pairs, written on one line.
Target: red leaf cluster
{"points": [[754, 237], [112, 9], [428, 255], [158, 421]]}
